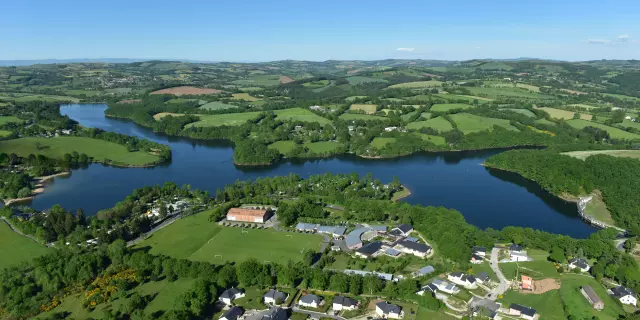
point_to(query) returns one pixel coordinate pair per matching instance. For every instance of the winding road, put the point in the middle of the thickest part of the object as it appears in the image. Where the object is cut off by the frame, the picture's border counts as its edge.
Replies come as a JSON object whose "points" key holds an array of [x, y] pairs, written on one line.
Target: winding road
{"points": [[504, 283]]}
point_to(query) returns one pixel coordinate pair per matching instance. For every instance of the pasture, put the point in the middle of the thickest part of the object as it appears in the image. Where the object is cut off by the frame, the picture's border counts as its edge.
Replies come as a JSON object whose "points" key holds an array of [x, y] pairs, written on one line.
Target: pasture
{"points": [[364, 117], [356, 80], [161, 115], [418, 84], [259, 80], [525, 112], [299, 114], [243, 96], [437, 140], [366, 108], [583, 106], [16, 249], [450, 106], [614, 153], [8, 119], [456, 97], [438, 123], [322, 146], [56, 148], [381, 142], [468, 123], [494, 93], [217, 105], [186, 90], [545, 122], [316, 84], [227, 119], [613, 132], [22, 97], [563, 114], [352, 98], [283, 147]]}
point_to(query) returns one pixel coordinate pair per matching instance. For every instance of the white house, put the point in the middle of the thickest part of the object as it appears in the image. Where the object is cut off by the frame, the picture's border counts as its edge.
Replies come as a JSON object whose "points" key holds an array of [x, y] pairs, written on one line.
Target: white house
{"points": [[479, 251], [344, 303], [231, 294], [417, 249], [625, 295], [445, 287], [466, 280], [388, 310], [476, 259], [522, 311], [517, 253], [579, 263], [430, 287], [275, 297], [311, 301]]}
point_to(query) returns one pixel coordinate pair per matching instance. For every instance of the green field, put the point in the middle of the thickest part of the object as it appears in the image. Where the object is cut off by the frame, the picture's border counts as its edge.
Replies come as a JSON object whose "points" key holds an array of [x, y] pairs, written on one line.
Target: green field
{"points": [[380, 142], [418, 84], [583, 106], [614, 153], [299, 114], [323, 146], [613, 132], [525, 112], [629, 123], [283, 147], [355, 80], [227, 119], [469, 99], [217, 105], [545, 122], [251, 89], [494, 93], [437, 140], [549, 304], [16, 249], [56, 148], [259, 80], [537, 269], [364, 117], [351, 98], [243, 96], [8, 119], [316, 84], [196, 238], [35, 97], [438, 123], [450, 106], [366, 108], [563, 114], [468, 123]]}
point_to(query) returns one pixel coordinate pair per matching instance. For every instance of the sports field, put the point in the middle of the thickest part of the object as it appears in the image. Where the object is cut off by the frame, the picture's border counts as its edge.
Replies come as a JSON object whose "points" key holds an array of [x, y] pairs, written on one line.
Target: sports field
{"points": [[438, 123], [444, 107], [364, 117], [299, 114], [283, 147], [380, 142], [227, 119], [243, 96], [367, 108], [56, 148], [198, 239], [8, 119], [15, 249], [468, 123], [564, 114], [217, 105], [418, 84], [613, 132]]}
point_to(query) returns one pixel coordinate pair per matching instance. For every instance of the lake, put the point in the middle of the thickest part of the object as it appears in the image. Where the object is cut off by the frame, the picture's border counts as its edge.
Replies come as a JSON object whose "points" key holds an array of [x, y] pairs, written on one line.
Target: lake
{"points": [[486, 197]]}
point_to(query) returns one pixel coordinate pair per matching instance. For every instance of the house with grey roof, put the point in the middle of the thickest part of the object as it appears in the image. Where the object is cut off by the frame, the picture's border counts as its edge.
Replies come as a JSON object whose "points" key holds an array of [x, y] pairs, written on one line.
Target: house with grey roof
{"points": [[522, 311], [482, 277], [275, 297], [369, 249], [484, 307], [430, 287], [417, 249], [389, 310], [231, 294], [625, 295], [335, 232], [402, 230], [276, 314], [424, 271], [306, 227], [232, 314], [344, 303], [466, 280], [445, 286], [311, 301], [579, 263], [480, 251]]}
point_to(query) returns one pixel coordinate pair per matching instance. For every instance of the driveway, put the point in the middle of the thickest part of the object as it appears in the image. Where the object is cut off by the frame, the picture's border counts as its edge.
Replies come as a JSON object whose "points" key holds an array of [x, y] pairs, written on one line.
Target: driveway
{"points": [[504, 283]]}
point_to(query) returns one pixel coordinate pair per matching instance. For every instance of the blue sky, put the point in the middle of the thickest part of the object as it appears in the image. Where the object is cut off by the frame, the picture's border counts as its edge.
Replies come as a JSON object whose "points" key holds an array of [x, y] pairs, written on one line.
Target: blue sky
{"points": [[267, 30]]}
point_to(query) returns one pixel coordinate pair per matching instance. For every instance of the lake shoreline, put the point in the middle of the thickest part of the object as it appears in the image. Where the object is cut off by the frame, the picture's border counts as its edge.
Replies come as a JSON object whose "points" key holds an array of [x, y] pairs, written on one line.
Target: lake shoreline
{"points": [[40, 187]]}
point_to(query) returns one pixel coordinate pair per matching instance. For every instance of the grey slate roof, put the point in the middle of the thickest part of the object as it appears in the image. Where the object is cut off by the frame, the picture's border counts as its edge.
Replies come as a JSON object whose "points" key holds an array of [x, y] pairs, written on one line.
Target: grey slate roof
{"points": [[420, 247], [516, 247], [276, 295], [457, 274], [353, 238], [306, 226], [332, 230], [524, 310], [345, 301], [482, 276], [370, 248], [233, 313], [478, 249], [581, 263], [621, 291], [231, 293], [469, 278], [593, 296], [404, 227], [276, 314], [426, 270], [379, 228], [310, 298], [412, 239], [431, 287], [388, 307], [392, 252]]}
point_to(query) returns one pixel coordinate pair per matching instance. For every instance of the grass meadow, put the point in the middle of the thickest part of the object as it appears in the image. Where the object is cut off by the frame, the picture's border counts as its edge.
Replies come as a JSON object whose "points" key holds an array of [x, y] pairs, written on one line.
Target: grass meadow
{"points": [[8, 119], [437, 140], [468, 123], [418, 84], [16, 249], [525, 112], [367, 108], [299, 114], [283, 147], [444, 107], [380, 142], [227, 119], [217, 105], [322, 146], [56, 148], [364, 117], [243, 96], [563, 114], [438, 123], [613, 132]]}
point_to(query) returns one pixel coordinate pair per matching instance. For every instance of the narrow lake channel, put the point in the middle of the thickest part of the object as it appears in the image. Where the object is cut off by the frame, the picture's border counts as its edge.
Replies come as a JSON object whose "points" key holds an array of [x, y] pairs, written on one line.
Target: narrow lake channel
{"points": [[487, 198]]}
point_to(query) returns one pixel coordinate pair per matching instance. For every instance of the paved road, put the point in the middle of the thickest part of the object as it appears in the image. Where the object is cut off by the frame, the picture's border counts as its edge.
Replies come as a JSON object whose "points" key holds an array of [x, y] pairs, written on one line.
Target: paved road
{"points": [[504, 283], [444, 298], [317, 315]]}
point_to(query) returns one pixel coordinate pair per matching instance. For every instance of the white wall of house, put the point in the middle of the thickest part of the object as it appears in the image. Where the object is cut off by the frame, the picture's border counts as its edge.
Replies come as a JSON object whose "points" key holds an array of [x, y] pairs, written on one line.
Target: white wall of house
{"points": [[629, 299]]}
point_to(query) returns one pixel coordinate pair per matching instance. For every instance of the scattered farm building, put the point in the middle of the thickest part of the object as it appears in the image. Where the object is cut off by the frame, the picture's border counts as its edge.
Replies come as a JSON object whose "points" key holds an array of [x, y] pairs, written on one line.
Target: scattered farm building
{"points": [[249, 215], [232, 314], [522, 311], [388, 310], [344, 303], [231, 294], [592, 297]]}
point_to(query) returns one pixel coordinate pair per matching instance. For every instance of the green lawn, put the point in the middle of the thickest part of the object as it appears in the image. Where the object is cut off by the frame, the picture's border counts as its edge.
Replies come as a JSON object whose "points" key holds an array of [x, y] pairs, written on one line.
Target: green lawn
{"points": [[228, 119], [537, 269], [16, 249], [438, 123], [437, 140], [444, 107], [8, 119], [549, 304], [418, 84], [322, 146], [484, 267], [56, 148], [468, 123], [525, 112], [380, 142], [299, 114], [283, 147], [217, 105], [578, 307], [613, 132], [364, 117]]}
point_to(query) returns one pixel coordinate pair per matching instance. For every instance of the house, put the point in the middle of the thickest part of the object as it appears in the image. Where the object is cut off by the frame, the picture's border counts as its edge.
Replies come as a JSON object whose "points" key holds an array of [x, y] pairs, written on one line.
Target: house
{"points": [[527, 283], [579, 263], [430, 287], [276, 314], [627, 118], [479, 251], [412, 239], [231, 294], [388, 310], [389, 129], [414, 248], [516, 248], [625, 295], [369, 249], [522, 311], [232, 314], [424, 271], [391, 252], [344, 303], [482, 277], [316, 108], [275, 297], [476, 259], [592, 297], [249, 215], [335, 248], [463, 279], [445, 286], [353, 238], [335, 232], [482, 308], [402, 230], [311, 301]]}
